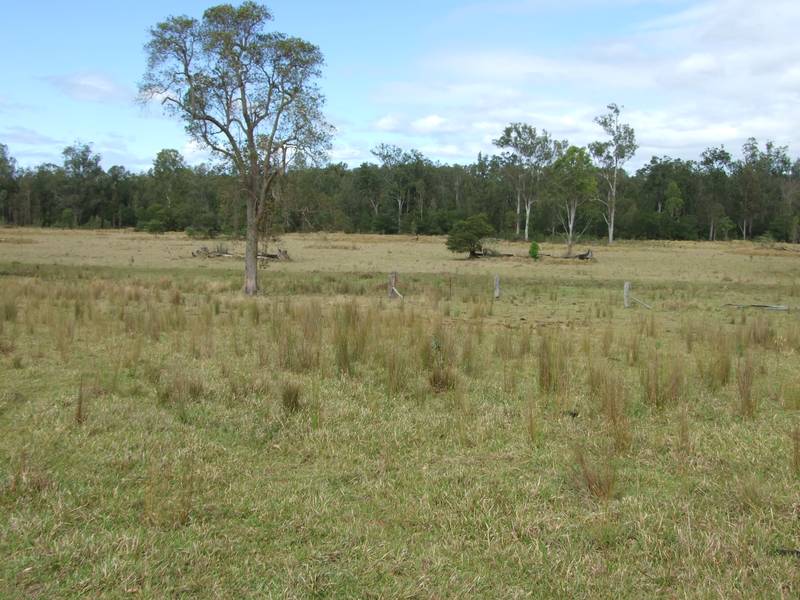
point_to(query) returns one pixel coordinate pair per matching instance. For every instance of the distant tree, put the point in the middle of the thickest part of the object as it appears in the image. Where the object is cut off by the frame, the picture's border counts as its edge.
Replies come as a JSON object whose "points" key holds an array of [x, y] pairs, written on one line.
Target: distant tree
{"points": [[368, 186], [527, 157], [8, 183], [674, 202], [84, 190], [610, 156], [759, 177], [715, 168], [468, 235], [393, 162], [575, 185], [247, 94]]}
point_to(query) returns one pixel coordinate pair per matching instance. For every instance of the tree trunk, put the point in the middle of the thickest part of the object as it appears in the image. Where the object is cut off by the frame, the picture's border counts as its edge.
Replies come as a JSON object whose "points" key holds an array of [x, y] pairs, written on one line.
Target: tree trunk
{"points": [[610, 227], [251, 251], [572, 211], [612, 207], [519, 209], [527, 218], [399, 213]]}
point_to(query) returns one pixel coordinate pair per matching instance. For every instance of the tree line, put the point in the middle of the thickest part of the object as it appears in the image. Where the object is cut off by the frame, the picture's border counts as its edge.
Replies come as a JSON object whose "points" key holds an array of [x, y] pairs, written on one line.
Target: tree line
{"points": [[535, 187]]}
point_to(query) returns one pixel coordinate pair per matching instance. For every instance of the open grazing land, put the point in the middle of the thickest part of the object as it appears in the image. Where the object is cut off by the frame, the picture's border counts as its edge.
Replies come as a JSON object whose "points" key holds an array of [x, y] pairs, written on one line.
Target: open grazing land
{"points": [[163, 435]]}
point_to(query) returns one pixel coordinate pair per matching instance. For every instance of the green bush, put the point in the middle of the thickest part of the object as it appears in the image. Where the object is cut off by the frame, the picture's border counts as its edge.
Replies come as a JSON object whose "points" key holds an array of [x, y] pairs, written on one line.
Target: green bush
{"points": [[154, 226], [534, 251], [468, 235]]}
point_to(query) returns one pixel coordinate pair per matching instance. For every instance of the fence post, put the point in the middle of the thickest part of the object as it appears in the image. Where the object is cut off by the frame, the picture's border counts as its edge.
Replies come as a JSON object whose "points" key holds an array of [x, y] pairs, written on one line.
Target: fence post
{"points": [[392, 287]]}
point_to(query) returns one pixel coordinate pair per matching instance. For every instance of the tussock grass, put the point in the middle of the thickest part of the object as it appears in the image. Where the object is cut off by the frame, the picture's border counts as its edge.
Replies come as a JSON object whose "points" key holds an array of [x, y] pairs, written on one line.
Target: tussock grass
{"points": [[555, 351], [608, 390], [663, 380], [745, 374], [291, 392], [599, 479], [715, 364]]}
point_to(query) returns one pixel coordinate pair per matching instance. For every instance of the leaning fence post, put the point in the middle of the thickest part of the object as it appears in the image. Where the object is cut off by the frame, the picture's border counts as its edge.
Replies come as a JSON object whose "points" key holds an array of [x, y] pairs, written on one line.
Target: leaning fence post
{"points": [[496, 287], [392, 287], [626, 294]]}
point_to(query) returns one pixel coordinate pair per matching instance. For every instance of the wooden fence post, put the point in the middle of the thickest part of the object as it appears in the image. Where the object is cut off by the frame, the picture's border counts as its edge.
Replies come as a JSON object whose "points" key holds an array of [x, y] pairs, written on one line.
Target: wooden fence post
{"points": [[392, 287], [496, 287], [626, 294]]}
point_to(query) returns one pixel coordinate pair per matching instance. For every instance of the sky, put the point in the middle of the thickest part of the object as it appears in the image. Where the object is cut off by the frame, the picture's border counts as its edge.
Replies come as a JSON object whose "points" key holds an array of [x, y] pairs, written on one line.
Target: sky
{"points": [[441, 76]]}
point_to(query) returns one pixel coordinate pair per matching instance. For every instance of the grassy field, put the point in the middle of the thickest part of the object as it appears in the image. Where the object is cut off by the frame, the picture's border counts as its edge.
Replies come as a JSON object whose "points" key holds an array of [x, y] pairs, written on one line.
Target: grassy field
{"points": [[161, 435]]}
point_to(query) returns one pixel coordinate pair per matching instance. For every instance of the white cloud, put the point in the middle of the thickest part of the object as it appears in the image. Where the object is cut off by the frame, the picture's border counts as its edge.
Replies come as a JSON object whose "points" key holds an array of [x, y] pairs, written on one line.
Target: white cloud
{"points": [[91, 87], [195, 153], [346, 153], [387, 123], [428, 124], [27, 137]]}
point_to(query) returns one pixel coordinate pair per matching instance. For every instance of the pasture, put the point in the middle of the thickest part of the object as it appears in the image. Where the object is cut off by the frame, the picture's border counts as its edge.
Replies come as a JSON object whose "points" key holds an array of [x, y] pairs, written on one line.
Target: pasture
{"points": [[162, 435]]}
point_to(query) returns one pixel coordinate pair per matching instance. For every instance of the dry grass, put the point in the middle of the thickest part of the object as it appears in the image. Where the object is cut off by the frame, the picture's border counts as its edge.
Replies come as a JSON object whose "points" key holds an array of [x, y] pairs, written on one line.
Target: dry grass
{"points": [[337, 443]]}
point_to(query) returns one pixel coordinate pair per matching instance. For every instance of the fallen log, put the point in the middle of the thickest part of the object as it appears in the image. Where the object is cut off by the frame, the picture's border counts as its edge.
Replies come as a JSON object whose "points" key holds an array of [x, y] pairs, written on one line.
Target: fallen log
{"points": [[204, 252], [588, 255], [763, 306]]}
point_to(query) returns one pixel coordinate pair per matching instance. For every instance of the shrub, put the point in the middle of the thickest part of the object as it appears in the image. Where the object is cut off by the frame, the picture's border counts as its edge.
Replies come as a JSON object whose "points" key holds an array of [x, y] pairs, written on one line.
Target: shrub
{"points": [[533, 251], [468, 235], [154, 226]]}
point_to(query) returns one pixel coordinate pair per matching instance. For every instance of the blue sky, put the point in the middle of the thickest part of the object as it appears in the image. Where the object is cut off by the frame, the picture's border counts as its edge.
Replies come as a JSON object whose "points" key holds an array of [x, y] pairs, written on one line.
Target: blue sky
{"points": [[443, 77]]}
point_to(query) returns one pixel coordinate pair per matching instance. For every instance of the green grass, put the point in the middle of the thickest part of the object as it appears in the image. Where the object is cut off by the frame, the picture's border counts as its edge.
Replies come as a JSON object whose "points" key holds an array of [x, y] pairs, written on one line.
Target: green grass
{"points": [[164, 436]]}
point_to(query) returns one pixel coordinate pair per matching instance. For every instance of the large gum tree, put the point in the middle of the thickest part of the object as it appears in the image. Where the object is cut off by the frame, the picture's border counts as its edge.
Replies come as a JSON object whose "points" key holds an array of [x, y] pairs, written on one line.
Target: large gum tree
{"points": [[247, 94]]}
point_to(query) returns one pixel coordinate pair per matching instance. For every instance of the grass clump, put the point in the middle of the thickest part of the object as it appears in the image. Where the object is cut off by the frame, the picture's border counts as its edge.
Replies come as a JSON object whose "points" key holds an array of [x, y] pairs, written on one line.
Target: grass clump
{"points": [[554, 354], [745, 374], [662, 384], [291, 392], [599, 479]]}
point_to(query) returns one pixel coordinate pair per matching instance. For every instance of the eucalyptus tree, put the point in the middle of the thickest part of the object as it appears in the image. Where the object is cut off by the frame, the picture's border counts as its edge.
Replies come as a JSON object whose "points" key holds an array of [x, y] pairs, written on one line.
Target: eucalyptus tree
{"points": [[610, 155], [403, 176], [8, 183], [528, 154], [84, 191], [392, 158], [715, 168], [759, 176], [575, 184], [249, 95]]}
